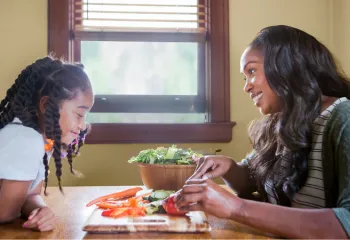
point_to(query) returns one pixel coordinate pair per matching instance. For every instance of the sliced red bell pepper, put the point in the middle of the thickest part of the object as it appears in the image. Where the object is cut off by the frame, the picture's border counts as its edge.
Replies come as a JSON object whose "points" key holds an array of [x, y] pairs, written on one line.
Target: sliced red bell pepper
{"points": [[117, 212]]}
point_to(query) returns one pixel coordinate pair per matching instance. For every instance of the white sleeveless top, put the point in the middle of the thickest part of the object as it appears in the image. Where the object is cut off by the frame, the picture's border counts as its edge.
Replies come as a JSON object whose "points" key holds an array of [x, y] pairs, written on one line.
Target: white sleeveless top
{"points": [[21, 154]]}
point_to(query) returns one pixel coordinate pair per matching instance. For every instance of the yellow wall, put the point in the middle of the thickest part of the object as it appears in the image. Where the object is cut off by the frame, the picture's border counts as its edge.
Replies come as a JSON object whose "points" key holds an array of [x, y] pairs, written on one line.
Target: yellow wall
{"points": [[26, 39], [23, 37], [341, 32]]}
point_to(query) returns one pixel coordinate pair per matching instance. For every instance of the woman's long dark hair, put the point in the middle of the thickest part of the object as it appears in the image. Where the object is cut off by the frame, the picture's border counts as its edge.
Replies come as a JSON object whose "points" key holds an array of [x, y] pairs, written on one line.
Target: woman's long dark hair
{"points": [[46, 77], [299, 69]]}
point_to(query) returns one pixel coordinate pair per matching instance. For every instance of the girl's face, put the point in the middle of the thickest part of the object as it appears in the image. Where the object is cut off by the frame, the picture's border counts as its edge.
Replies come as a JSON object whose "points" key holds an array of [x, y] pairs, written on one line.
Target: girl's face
{"points": [[252, 67], [73, 114]]}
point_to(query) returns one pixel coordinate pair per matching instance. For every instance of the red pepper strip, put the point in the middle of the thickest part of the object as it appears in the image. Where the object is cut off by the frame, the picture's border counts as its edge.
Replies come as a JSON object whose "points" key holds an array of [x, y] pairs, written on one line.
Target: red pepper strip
{"points": [[137, 211], [117, 212]]}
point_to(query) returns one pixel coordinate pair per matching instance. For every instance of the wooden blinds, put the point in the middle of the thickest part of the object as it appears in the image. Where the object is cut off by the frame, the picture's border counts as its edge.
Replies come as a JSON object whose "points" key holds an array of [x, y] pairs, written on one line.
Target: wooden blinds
{"points": [[188, 16]]}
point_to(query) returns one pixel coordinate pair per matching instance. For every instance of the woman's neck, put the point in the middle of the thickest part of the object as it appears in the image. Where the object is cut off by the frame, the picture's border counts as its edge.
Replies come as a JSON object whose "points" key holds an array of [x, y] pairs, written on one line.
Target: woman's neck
{"points": [[327, 101]]}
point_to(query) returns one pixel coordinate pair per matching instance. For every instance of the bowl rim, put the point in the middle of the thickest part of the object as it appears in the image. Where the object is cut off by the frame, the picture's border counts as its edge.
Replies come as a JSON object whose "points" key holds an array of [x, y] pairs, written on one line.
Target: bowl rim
{"points": [[165, 165]]}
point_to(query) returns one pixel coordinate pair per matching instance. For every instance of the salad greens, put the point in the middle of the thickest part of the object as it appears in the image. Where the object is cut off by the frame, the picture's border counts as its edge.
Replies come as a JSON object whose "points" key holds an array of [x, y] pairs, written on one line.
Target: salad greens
{"points": [[162, 155]]}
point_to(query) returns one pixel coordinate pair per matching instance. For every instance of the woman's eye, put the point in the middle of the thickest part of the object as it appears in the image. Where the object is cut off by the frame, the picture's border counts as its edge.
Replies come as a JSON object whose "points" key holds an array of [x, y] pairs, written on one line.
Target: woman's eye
{"points": [[251, 71], [79, 115]]}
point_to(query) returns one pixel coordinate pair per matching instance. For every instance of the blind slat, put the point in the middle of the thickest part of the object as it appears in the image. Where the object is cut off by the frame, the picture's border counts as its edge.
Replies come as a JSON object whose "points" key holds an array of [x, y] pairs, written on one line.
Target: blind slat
{"points": [[144, 29], [129, 12], [138, 5], [140, 20]]}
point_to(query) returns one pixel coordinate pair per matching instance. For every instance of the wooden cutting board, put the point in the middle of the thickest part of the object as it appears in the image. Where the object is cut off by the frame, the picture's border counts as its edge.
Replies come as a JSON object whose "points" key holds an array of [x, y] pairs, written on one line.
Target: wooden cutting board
{"points": [[192, 222]]}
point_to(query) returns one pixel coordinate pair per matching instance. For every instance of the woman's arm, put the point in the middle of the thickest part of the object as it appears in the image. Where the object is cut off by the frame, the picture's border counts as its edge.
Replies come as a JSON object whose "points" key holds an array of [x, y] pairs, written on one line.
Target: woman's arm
{"points": [[235, 175], [290, 222], [238, 179], [205, 195]]}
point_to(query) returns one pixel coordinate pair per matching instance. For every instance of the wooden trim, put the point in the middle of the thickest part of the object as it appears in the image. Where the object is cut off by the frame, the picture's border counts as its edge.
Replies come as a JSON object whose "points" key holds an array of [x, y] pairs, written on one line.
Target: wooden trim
{"points": [[160, 133], [149, 104], [226, 57], [219, 61], [59, 28]]}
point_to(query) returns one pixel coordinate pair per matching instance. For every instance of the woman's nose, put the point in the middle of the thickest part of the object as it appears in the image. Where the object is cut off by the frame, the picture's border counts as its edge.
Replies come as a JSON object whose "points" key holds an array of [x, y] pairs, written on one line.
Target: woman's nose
{"points": [[247, 87]]}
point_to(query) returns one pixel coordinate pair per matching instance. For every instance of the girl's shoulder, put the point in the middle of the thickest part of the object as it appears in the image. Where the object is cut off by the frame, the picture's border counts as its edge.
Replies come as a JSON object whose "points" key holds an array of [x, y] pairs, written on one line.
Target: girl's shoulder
{"points": [[21, 152], [16, 137]]}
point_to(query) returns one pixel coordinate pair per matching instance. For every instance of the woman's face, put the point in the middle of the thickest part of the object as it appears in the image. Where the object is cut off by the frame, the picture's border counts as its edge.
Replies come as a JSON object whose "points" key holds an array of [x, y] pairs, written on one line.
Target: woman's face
{"points": [[252, 67]]}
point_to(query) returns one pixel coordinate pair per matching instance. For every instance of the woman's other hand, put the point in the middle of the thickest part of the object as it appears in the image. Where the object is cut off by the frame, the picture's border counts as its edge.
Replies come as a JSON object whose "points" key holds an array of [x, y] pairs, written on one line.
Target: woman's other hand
{"points": [[205, 195], [212, 166]]}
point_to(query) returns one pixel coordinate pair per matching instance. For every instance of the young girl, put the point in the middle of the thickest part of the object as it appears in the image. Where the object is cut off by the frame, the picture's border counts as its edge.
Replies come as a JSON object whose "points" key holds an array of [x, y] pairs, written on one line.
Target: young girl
{"points": [[300, 163], [42, 114]]}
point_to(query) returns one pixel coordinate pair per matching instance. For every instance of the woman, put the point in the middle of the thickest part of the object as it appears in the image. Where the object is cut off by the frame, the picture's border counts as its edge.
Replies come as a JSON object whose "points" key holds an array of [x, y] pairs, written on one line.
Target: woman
{"points": [[300, 163]]}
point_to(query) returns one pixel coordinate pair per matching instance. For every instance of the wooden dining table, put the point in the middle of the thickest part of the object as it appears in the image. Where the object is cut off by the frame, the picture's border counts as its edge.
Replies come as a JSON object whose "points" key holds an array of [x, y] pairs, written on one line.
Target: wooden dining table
{"points": [[71, 211]]}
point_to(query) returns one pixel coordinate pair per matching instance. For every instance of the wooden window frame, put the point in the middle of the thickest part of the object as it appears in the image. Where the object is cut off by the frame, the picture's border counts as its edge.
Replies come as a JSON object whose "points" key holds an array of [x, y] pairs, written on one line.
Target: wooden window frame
{"points": [[219, 127]]}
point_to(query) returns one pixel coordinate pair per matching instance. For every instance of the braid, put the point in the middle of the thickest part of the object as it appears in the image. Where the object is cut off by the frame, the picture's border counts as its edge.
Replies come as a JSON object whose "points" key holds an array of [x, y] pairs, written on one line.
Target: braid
{"points": [[81, 141], [73, 150], [70, 157], [6, 115], [46, 164], [53, 131], [21, 105]]}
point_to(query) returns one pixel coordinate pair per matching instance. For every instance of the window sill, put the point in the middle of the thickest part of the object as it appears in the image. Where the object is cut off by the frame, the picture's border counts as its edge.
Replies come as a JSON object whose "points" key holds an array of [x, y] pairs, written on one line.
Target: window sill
{"points": [[105, 133]]}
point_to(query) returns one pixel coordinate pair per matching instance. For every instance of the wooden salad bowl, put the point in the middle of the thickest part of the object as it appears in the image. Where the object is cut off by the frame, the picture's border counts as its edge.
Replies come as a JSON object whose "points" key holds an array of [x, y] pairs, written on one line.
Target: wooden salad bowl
{"points": [[165, 176]]}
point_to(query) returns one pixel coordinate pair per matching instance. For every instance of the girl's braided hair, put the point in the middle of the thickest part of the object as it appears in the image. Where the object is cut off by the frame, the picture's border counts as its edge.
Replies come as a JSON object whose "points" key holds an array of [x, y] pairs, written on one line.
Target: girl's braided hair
{"points": [[58, 81]]}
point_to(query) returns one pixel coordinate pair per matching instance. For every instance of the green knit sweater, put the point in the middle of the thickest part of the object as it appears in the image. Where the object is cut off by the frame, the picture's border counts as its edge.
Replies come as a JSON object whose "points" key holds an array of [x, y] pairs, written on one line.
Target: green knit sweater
{"points": [[336, 163]]}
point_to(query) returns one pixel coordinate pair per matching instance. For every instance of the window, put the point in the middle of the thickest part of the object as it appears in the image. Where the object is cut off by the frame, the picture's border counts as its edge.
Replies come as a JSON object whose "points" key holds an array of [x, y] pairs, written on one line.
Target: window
{"points": [[159, 67]]}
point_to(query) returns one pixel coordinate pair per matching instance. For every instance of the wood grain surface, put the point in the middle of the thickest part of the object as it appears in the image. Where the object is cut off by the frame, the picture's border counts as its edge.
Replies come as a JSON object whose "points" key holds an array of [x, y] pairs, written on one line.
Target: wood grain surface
{"points": [[72, 213]]}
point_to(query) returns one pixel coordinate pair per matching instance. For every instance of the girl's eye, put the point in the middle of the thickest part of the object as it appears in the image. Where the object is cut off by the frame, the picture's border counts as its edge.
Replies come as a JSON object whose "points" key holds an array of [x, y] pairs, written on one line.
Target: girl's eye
{"points": [[79, 115]]}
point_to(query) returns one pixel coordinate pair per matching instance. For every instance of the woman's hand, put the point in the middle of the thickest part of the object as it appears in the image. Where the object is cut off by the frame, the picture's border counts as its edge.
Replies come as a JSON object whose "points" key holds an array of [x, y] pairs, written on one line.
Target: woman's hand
{"points": [[41, 219], [205, 195], [212, 166]]}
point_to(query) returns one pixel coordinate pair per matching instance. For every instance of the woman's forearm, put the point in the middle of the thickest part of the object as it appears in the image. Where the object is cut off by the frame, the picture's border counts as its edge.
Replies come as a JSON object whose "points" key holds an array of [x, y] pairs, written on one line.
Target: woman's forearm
{"points": [[238, 179], [32, 202], [290, 222]]}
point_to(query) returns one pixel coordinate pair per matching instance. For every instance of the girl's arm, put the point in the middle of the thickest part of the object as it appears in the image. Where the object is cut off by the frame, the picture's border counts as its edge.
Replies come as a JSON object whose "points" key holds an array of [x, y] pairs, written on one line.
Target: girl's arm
{"points": [[38, 215], [33, 201], [12, 197]]}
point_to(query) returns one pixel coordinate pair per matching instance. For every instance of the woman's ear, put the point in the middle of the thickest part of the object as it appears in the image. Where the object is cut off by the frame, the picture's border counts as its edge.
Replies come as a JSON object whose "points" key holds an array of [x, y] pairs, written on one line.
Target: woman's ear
{"points": [[42, 104]]}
